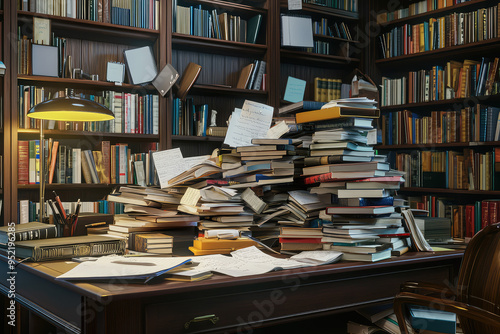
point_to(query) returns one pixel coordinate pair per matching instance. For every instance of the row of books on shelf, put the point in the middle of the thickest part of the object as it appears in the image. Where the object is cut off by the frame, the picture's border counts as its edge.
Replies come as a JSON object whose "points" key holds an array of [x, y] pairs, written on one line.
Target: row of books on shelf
{"points": [[196, 21], [349, 5], [478, 124], [327, 89], [466, 218], [189, 119], [134, 113], [438, 33], [338, 30], [455, 80], [135, 13], [467, 170], [26, 54], [28, 210], [113, 164], [416, 8], [253, 76]]}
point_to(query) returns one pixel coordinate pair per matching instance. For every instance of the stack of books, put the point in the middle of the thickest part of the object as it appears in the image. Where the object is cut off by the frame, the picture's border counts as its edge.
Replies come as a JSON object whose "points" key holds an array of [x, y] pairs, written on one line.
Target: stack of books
{"points": [[156, 243], [300, 238]]}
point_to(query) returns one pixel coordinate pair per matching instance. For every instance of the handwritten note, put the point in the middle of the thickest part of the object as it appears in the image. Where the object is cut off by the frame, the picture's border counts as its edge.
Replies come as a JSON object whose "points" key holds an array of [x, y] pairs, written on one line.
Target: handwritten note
{"points": [[252, 121], [191, 197], [169, 163], [295, 89], [294, 4]]}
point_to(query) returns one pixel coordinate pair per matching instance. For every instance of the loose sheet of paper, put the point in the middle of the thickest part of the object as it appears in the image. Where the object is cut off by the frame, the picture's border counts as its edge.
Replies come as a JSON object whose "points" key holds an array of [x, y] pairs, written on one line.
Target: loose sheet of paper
{"points": [[294, 4], [193, 161], [278, 130], [191, 197], [168, 164], [252, 121], [295, 89]]}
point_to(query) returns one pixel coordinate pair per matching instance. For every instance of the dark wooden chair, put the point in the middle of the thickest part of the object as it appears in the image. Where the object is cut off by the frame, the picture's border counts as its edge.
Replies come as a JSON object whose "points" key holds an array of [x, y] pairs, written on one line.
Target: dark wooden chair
{"points": [[476, 298]]}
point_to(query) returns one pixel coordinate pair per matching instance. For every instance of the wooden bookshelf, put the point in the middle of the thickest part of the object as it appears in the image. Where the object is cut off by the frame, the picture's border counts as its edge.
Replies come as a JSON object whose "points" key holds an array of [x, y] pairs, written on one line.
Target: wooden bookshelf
{"points": [[324, 10], [437, 12], [450, 192], [470, 49], [214, 45], [223, 90], [198, 138], [491, 100], [34, 134], [336, 39]]}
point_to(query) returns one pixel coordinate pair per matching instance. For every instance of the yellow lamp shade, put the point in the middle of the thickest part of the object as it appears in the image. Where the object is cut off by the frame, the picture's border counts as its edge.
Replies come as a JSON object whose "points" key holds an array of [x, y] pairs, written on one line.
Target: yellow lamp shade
{"points": [[71, 109]]}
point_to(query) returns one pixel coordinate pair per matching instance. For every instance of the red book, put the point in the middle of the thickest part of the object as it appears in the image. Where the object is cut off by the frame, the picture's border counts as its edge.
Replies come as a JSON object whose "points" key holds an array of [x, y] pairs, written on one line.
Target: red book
{"points": [[484, 214], [469, 221], [23, 162], [300, 240], [493, 212]]}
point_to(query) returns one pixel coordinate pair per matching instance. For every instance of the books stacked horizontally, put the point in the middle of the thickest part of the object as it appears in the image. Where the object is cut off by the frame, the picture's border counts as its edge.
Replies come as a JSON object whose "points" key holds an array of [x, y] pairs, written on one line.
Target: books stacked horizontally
{"points": [[355, 231], [156, 243], [300, 238], [147, 209], [268, 161]]}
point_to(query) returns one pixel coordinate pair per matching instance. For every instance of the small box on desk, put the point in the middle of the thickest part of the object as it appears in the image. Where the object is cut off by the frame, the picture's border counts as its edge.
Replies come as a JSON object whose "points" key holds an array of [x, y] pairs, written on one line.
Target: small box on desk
{"points": [[434, 179], [91, 218]]}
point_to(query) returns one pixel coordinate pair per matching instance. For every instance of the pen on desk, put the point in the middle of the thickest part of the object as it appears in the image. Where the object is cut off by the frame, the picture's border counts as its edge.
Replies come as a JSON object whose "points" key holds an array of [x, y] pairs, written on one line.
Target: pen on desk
{"points": [[59, 205], [134, 263], [96, 224]]}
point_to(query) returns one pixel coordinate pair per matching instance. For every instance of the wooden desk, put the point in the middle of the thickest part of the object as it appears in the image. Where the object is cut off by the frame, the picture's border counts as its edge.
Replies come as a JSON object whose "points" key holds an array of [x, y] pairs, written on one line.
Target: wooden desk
{"points": [[240, 304]]}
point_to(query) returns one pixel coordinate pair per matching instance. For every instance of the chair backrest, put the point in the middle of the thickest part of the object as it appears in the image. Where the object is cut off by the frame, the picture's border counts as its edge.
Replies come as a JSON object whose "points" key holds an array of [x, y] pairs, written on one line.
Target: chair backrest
{"points": [[479, 277]]}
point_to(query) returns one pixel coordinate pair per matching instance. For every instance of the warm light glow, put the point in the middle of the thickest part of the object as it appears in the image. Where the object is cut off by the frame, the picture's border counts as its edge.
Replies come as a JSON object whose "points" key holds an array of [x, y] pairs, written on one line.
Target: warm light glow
{"points": [[71, 109]]}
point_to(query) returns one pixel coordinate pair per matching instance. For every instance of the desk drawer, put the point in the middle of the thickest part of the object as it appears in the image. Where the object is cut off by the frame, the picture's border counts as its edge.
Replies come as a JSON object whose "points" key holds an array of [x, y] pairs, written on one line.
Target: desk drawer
{"points": [[296, 295]]}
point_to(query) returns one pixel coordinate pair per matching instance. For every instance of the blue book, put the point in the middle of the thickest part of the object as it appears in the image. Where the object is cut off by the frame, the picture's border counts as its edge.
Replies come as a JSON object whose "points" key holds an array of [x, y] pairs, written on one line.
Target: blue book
{"points": [[433, 320]]}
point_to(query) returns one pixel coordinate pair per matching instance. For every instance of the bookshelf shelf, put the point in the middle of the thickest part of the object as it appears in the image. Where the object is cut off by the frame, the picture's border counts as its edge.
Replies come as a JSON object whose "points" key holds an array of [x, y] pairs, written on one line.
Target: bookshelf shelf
{"points": [[450, 191], [69, 186], [491, 100], [91, 30], [32, 133], [335, 39], [234, 7], [198, 138], [438, 145], [84, 83], [316, 58], [465, 50], [214, 45], [323, 10], [429, 14], [225, 90]]}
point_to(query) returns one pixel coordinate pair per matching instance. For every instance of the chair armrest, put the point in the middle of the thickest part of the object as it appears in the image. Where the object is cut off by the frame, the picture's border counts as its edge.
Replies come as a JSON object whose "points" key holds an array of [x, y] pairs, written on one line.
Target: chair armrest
{"points": [[461, 309], [425, 288]]}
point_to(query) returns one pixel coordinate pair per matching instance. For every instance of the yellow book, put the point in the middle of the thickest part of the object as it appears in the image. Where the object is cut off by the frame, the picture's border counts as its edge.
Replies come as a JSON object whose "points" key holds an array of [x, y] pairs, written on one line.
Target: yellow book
{"points": [[422, 38], [333, 113], [217, 244], [316, 90]]}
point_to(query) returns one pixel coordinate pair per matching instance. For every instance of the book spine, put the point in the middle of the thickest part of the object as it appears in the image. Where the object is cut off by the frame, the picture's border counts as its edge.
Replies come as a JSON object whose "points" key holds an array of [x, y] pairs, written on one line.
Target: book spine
{"points": [[318, 178], [84, 249], [41, 233]]}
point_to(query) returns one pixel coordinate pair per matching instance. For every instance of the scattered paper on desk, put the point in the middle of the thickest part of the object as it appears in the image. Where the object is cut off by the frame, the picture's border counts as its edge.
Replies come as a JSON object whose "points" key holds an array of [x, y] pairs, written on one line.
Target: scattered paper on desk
{"points": [[295, 89], [115, 266], [294, 4], [278, 130], [252, 121], [168, 164]]}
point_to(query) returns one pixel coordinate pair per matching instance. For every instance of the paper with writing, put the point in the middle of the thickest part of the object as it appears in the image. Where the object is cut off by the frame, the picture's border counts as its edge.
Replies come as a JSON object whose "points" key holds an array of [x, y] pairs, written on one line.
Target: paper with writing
{"points": [[193, 161], [168, 164], [278, 130], [191, 197], [252, 121], [294, 4]]}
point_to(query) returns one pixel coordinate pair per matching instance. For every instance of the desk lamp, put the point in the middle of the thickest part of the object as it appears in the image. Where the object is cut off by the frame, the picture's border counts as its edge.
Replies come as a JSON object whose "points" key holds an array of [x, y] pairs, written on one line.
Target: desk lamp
{"points": [[69, 109]]}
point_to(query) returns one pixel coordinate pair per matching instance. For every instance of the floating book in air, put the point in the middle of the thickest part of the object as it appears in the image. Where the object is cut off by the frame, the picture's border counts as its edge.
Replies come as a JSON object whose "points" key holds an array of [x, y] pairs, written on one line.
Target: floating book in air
{"points": [[334, 113]]}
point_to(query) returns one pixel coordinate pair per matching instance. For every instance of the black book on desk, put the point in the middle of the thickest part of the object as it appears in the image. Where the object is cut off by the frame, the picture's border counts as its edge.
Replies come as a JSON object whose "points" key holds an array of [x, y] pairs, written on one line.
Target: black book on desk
{"points": [[68, 247], [28, 231]]}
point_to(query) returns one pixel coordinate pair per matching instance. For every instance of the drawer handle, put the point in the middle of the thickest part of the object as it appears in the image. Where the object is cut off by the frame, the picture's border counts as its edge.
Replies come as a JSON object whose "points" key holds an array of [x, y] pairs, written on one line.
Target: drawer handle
{"points": [[210, 317]]}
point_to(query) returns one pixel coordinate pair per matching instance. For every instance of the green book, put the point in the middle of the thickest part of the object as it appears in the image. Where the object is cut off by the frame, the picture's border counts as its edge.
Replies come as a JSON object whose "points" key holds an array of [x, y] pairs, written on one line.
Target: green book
{"points": [[253, 27], [68, 247], [27, 231]]}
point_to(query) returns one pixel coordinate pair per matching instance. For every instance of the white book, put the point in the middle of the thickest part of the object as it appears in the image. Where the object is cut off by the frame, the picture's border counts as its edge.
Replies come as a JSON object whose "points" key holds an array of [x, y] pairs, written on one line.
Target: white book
{"points": [[122, 161], [77, 165], [156, 114], [24, 211], [132, 110]]}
